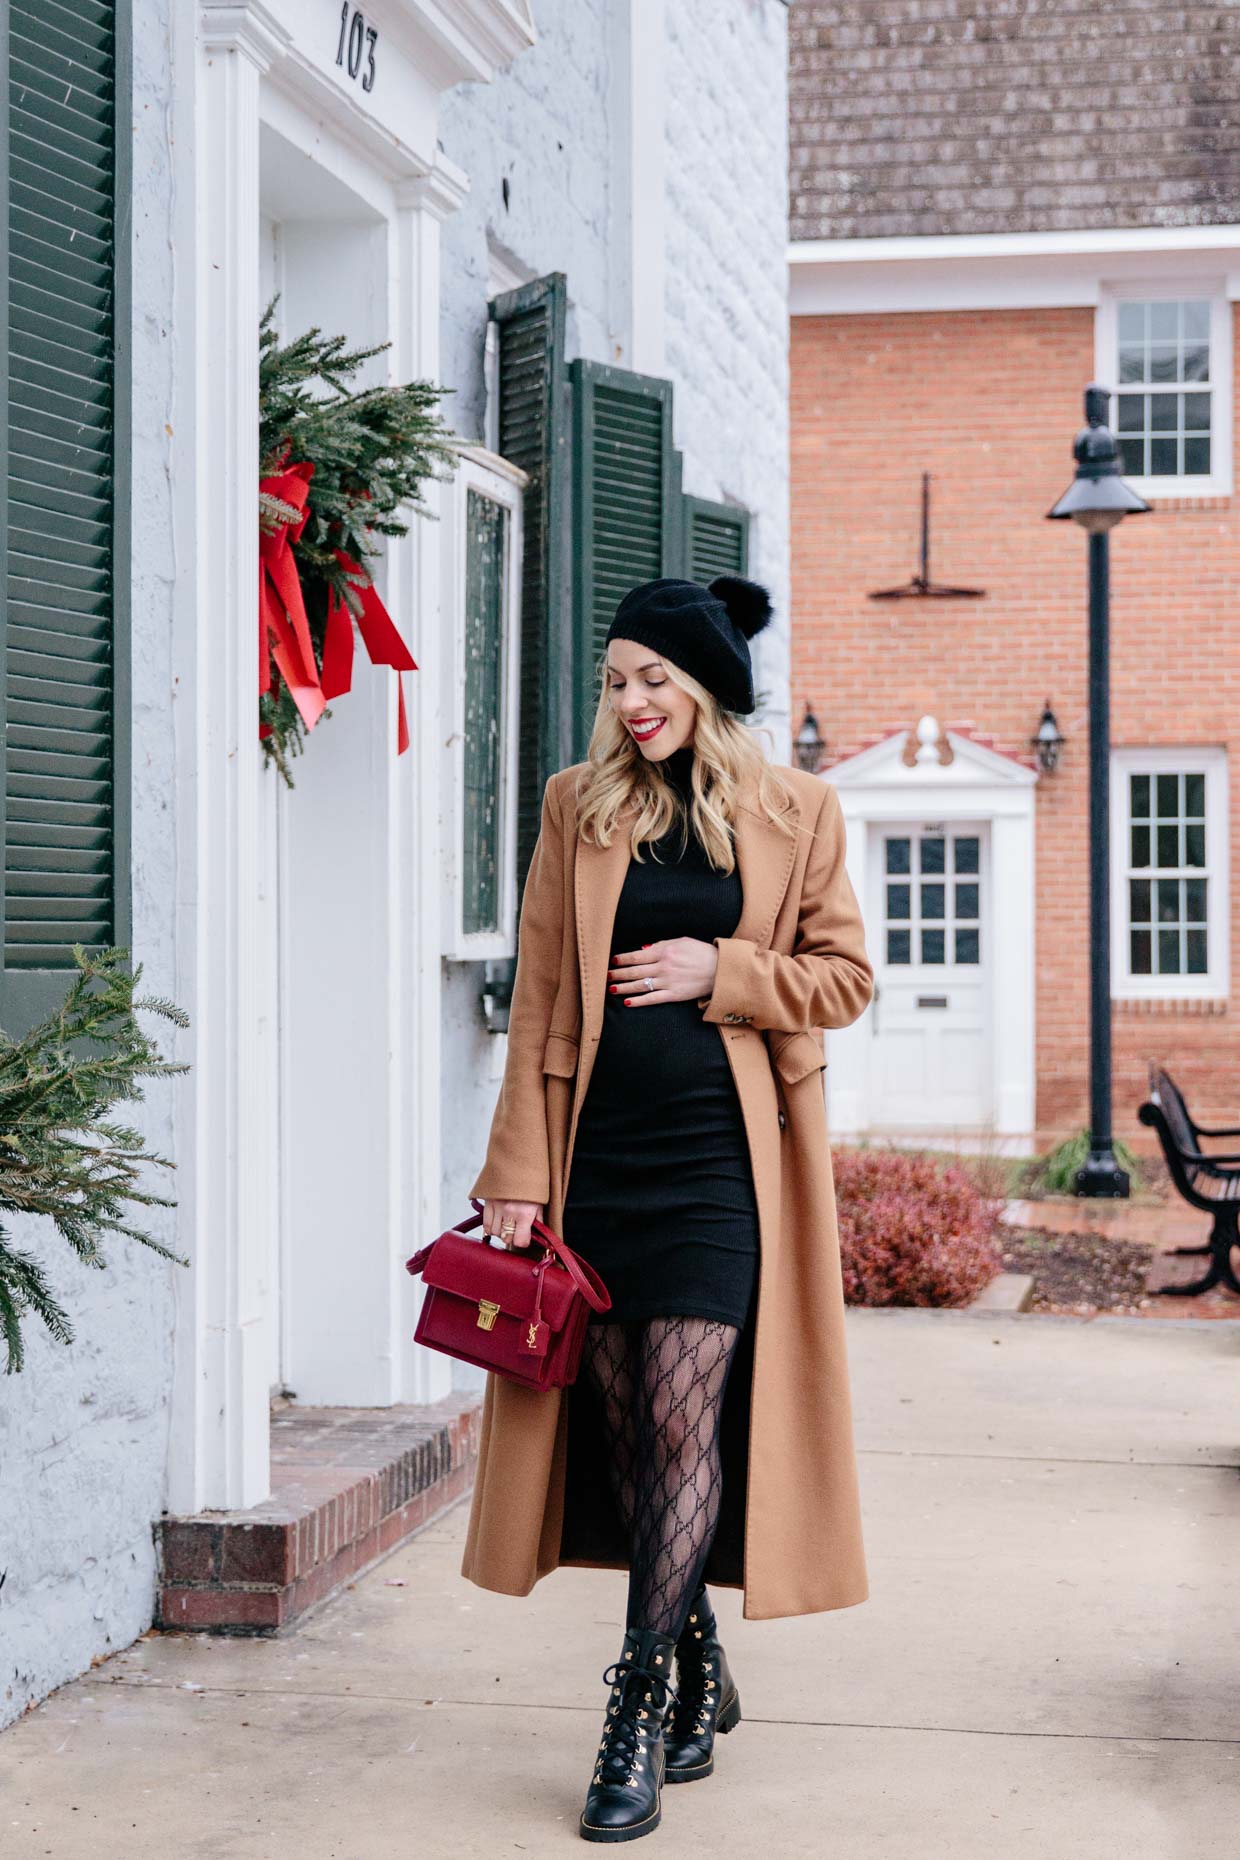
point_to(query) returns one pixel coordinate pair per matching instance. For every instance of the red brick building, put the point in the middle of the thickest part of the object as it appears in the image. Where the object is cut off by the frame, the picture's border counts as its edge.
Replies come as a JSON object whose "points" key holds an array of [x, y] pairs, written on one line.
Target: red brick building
{"points": [[991, 208]]}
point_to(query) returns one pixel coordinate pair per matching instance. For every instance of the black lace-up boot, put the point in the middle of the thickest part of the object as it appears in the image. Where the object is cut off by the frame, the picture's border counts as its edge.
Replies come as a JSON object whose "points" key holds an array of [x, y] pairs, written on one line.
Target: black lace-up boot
{"points": [[623, 1799], [706, 1697]]}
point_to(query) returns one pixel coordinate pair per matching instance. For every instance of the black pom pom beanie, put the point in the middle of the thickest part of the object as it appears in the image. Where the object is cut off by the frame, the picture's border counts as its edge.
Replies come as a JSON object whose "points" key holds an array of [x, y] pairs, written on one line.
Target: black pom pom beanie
{"points": [[705, 631]]}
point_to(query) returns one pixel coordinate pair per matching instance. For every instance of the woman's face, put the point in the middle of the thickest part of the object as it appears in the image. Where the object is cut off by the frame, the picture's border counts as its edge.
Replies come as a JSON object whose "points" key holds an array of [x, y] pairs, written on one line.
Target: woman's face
{"points": [[658, 714]]}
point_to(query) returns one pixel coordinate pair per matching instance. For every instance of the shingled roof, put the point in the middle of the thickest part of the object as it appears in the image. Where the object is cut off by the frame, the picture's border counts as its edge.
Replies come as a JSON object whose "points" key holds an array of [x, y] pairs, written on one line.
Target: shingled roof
{"points": [[912, 117]]}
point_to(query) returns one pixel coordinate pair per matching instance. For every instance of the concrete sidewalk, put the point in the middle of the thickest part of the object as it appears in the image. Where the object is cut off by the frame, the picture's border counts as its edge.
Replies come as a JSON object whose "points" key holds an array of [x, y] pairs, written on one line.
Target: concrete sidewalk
{"points": [[1046, 1670]]}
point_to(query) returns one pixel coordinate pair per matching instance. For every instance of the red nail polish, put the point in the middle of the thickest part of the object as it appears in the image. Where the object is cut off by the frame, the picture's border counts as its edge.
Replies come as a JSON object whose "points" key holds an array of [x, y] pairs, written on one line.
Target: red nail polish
{"points": [[613, 990]]}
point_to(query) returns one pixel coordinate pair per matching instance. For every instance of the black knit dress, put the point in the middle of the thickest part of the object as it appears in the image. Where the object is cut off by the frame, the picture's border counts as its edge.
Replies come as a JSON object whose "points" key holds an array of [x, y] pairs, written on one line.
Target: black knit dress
{"points": [[660, 1196]]}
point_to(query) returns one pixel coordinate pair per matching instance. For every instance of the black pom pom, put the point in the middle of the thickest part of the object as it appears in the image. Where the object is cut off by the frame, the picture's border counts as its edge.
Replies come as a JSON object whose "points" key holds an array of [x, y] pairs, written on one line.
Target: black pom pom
{"points": [[749, 606]]}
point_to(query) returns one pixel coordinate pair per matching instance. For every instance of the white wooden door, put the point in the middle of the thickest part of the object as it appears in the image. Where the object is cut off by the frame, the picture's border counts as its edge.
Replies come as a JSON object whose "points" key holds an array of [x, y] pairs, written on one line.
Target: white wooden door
{"points": [[931, 1020]]}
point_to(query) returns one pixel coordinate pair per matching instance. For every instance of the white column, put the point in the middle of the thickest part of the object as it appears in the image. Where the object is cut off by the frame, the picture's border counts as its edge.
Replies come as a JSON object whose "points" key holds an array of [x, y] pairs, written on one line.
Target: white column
{"points": [[219, 1445], [416, 904], [639, 166]]}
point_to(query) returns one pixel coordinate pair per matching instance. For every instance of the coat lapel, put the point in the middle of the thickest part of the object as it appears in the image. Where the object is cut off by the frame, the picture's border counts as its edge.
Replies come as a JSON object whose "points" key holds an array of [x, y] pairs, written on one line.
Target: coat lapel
{"points": [[597, 880], [764, 854]]}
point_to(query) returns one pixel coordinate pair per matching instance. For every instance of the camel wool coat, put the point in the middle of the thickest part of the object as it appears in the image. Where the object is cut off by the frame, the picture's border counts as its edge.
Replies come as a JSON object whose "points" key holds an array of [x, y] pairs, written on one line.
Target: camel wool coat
{"points": [[789, 1533]]}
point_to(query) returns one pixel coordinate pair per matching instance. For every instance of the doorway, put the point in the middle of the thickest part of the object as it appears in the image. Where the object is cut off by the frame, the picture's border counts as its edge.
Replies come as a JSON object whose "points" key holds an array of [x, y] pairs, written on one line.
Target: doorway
{"points": [[931, 1021]]}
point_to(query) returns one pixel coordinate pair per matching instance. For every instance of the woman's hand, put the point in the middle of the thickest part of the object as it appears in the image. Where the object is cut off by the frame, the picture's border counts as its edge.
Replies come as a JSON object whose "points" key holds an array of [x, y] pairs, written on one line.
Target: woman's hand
{"points": [[521, 1213], [683, 968]]}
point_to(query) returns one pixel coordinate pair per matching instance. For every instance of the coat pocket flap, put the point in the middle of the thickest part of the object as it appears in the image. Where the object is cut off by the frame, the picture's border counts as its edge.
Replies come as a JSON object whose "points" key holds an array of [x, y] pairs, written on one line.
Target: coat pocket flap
{"points": [[560, 1055], [796, 1054]]}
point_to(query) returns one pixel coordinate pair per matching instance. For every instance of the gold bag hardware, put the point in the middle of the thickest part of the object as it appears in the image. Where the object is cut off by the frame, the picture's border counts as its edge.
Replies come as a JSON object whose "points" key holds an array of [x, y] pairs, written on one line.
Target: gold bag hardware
{"points": [[487, 1314]]}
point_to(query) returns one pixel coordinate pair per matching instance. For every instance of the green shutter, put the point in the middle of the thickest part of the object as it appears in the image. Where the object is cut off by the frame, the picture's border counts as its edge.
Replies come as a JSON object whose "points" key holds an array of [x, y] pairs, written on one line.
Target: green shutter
{"points": [[59, 662], [624, 514], [715, 539], [534, 434], [486, 553]]}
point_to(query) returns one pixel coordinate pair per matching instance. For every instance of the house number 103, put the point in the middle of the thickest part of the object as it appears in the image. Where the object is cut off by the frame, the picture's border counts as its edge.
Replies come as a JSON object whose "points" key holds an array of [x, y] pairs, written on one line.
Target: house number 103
{"points": [[357, 41]]}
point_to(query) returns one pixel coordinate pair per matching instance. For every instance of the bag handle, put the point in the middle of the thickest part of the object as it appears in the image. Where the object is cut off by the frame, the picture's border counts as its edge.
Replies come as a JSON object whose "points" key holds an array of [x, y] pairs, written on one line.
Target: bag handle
{"points": [[579, 1270]]}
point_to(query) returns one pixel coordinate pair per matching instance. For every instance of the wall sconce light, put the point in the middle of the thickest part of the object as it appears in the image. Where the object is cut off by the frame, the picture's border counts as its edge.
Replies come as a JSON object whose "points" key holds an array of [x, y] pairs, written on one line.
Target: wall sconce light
{"points": [[1048, 742], [496, 997], [809, 744]]}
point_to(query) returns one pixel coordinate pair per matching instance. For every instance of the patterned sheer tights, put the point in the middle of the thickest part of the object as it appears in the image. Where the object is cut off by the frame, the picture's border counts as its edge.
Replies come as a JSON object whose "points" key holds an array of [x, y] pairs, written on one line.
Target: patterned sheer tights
{"points": [[661, 1385]]}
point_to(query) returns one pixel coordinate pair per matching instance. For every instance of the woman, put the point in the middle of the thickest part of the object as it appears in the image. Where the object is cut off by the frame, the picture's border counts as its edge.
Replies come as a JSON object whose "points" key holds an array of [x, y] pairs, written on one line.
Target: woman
{"points": [[687, 924]]}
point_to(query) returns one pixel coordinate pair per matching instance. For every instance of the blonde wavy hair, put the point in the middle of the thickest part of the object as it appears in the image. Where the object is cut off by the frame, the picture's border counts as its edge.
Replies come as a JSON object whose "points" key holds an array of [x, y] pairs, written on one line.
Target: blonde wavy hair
{"points": [[727, 761]]}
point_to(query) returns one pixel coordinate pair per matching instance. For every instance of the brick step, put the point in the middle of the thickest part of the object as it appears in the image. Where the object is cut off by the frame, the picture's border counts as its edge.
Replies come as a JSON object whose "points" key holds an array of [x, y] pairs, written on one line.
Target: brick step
{"points": [[347, 1486]]}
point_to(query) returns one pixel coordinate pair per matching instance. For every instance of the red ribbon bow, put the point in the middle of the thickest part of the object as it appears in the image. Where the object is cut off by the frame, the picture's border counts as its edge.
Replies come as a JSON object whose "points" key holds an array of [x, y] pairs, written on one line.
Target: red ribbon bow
{"points": [[284, 631], [379, 636]]}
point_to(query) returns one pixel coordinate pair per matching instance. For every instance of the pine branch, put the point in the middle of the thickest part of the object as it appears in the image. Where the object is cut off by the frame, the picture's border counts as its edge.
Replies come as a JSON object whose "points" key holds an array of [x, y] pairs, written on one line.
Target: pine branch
{"points": [[373, 449], [62, 1154]]}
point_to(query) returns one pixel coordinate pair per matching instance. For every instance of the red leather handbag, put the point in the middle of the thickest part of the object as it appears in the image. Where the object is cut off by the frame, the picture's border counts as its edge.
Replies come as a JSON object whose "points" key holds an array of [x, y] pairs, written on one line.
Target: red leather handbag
{"points": [[518, 1313]]}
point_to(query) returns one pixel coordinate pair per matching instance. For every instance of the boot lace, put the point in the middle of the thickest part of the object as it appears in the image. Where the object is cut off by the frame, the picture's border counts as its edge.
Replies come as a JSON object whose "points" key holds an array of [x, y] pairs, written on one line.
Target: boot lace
{"points": [[635, 1708]]}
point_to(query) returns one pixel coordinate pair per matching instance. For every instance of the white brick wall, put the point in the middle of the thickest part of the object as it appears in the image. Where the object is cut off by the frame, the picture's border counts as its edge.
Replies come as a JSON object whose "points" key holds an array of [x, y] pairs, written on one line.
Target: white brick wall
{"points": [[84, 1429], [727, 329]]}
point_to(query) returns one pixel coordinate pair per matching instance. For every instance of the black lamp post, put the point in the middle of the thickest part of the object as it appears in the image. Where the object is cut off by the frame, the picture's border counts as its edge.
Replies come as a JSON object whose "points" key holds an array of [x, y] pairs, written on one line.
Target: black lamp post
{"points": [[1098, 499]]}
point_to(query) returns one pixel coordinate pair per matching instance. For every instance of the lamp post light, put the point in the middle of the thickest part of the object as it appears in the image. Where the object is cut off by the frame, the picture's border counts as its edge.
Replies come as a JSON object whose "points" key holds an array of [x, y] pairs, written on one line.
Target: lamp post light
{"points": [[809, 744], [1098, 499]]}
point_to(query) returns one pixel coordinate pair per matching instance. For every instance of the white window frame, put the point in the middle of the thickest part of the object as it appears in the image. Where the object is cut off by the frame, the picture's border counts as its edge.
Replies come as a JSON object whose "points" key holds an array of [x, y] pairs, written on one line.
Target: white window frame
{"points": [[1219, 482], [495, 478], [1215, 983]]}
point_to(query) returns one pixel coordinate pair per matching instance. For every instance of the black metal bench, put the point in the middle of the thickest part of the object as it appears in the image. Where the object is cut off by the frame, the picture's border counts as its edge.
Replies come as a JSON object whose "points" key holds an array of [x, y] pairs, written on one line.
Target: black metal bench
{"points": [[1209, 1180]]}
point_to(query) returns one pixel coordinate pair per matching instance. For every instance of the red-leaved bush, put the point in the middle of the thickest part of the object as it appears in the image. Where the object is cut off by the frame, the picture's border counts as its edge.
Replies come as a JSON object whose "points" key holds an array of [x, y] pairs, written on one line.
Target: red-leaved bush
{"points": [[913, 1231]]}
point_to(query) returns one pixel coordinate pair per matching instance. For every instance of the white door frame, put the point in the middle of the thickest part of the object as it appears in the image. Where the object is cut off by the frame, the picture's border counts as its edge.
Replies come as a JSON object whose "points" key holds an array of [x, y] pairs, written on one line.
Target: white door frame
{"points": [[877, 787]]}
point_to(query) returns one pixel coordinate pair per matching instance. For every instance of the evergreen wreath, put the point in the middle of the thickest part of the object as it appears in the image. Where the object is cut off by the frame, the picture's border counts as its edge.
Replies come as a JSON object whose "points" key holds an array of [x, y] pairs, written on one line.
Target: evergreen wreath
{"points": [[61, 1152], [372, 449]]}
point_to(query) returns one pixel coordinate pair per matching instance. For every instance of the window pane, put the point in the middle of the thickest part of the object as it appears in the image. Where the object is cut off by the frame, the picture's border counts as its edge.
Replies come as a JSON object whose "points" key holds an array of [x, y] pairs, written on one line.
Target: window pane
{"points": [[1164, 322], [899, 901], [899, 946], [1140, 846], [966, 901], [1195, 900], [967, 946], [1168, 846], [898, 856], [1168, 952], [933, 855], [1139, 796], [1168, 900], [1195, 845], [1164, 412], [1197, 321], [933, 946], [1132, 457], [1163, 461], [1132, 323], [1197, 458], [1164, 362], [1196, 413], [1140, 952], [1197, 964], [1195, 365], [1139, 900], [967, 855], [486, 549], [1195, 796], [933, 901], [1130, 413], [1168, 792]]}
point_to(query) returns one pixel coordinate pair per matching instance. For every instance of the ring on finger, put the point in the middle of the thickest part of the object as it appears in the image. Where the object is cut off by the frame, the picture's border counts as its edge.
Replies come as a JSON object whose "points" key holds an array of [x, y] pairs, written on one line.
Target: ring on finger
{"points": [[647, 982]]}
